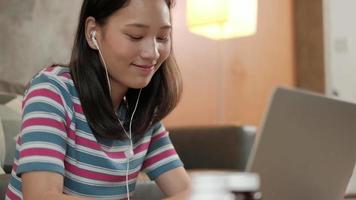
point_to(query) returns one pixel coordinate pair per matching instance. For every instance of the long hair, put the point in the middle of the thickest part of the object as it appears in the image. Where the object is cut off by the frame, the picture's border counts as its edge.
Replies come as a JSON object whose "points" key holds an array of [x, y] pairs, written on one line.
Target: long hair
{"points": [[157, 100]]}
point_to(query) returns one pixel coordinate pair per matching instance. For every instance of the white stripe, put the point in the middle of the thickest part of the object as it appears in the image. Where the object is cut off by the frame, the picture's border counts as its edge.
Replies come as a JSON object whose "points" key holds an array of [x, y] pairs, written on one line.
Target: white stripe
{"points": [[43, 159], [15, 191], [93, 182], [160, 150], [14, 175], [161, 162], [43, 145], [80, 116], [41, 114], [160, 130], [76, 100], [71, 192], [99, 169]]}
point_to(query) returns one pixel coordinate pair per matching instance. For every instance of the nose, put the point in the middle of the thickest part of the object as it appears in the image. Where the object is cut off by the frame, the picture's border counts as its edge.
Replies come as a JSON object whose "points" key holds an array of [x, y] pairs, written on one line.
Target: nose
{"points": [[150, 51]]}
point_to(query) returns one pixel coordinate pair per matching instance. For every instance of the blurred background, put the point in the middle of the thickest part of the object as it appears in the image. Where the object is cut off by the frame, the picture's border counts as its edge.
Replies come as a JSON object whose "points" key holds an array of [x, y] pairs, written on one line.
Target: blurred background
{"points": [[309, 44]]}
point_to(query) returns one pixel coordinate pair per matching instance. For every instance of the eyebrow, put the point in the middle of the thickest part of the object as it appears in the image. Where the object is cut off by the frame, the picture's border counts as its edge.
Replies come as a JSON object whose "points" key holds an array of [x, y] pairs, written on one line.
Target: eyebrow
{"points": [[138, 25]]}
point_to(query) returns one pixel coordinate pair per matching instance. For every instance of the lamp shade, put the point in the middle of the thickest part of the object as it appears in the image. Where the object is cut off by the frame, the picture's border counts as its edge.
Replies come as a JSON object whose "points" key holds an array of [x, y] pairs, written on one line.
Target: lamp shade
{"points": [[222, 19]]}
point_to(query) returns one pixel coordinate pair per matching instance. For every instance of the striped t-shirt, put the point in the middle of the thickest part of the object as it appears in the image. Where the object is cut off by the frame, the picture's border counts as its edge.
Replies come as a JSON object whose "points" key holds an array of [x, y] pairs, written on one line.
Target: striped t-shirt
{"points": [[56, 137]]}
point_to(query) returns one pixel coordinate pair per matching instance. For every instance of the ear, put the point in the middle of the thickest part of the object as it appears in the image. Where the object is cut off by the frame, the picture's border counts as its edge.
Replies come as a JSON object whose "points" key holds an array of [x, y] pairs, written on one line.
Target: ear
{"points": [[90, 27]]}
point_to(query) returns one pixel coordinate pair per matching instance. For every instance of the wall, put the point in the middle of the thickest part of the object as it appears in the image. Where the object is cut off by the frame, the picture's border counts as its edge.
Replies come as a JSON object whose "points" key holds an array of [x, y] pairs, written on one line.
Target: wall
{"points": [[340, 56], [309, 45], [340, 51], [226, 82], [229, 82], [34, 33]]}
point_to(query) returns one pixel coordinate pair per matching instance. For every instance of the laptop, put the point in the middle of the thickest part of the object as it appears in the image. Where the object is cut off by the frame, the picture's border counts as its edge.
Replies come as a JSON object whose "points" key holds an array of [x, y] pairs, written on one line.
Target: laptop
{"points": [[305, 148]]}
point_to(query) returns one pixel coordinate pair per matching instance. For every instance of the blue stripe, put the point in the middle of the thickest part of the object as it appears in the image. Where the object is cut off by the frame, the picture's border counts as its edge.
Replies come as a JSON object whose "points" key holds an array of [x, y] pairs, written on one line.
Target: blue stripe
{"points": [[15, 183], [164, 168], [44, 137], [42, 107], [101, 161], [96, 190], [83, 126], [163, 141], [56, 84], [39, 166]]}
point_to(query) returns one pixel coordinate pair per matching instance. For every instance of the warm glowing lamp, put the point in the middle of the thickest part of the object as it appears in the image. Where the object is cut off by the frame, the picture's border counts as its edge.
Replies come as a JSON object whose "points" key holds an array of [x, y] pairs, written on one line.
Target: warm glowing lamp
{"points": [[222, 19]]}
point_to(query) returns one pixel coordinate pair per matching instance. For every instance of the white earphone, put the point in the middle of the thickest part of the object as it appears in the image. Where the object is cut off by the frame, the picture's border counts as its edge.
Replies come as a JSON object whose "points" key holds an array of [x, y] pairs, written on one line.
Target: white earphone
{"points": [[130, 153], [93, 39]]}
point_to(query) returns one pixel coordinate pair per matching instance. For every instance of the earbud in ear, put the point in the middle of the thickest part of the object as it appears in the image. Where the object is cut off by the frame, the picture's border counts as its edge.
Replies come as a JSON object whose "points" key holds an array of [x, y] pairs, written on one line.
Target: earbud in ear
{"points": [[93, 39]]}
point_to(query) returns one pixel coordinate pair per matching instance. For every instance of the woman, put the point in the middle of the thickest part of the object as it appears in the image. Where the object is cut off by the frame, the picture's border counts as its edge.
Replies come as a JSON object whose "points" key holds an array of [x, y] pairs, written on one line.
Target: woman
{"points": [[89, 129]]}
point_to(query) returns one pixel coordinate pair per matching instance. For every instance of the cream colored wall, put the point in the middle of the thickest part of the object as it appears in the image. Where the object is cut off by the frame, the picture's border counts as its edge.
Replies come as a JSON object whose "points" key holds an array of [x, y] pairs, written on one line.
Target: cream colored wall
{"points": [[229, 82], [35, 33]]}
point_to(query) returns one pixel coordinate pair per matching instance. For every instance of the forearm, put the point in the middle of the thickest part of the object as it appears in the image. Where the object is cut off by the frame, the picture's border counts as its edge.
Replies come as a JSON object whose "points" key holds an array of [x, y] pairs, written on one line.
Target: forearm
{"points": [[183, 195], [57, 196]]}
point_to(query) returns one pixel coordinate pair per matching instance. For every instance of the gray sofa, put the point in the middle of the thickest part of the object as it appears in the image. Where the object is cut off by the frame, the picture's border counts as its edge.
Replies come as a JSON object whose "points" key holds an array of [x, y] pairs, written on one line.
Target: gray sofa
{"points": [[206, 148]]}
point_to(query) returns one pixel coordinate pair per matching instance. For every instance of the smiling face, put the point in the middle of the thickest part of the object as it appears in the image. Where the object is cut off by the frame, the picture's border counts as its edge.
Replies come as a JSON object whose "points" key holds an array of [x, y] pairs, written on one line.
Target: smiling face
{"points": [[134, 42]]}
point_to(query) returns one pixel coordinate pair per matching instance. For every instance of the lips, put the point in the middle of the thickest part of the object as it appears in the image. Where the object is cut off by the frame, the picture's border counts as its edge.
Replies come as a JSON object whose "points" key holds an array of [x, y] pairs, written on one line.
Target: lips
{"points": [[145, 69], [144, 66]]}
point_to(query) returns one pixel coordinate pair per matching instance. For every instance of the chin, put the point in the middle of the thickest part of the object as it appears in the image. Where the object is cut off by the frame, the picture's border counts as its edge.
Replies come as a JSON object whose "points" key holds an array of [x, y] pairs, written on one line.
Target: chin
{"points": [[139, 85]]}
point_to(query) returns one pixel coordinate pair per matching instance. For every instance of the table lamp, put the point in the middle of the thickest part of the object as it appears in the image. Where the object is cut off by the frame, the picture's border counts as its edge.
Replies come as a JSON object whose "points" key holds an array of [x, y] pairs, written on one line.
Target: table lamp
{"points": [[222, 19]]}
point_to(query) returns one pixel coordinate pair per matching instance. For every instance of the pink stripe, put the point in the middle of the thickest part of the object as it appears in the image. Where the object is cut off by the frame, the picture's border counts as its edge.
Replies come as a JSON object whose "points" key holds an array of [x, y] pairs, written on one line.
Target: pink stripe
{"points": [[14, 167], [43, 93], [158, 136], [78, 108], [93, 145], [66, 75], [12, 195], [44, 122], [152, 160], [115, 154], [71, 134], [87, 143], [49, 68], [141, 147], [42, 152], [68, 121], [97, 176]]}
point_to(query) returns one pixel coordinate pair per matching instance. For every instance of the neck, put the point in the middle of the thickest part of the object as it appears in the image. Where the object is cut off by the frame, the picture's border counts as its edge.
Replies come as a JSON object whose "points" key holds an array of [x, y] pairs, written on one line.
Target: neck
{"points": [[118, 92]]}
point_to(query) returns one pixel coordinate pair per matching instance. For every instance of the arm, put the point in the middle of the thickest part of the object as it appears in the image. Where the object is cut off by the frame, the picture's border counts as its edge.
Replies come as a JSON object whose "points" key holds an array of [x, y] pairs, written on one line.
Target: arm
{"points": [[42, 185], [175, 184], [42, 142], [163, 165]]}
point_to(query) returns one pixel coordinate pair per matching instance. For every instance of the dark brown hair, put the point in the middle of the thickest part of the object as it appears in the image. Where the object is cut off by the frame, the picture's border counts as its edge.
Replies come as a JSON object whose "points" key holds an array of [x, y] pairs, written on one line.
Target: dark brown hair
{"points": [[157, 100]]}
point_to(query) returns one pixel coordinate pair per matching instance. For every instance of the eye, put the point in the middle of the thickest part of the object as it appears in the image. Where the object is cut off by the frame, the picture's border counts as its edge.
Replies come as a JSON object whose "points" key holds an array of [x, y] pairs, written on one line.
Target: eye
{"points": [[163, 38], [134, 37]]}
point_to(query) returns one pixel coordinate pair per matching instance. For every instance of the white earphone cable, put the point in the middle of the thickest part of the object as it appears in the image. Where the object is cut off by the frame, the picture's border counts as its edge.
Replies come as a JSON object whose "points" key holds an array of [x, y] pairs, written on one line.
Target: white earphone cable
{"points": [[129, 135]]}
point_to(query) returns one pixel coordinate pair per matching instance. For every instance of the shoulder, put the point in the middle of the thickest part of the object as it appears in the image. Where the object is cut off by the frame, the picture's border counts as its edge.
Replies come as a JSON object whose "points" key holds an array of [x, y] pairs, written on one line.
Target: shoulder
{"points": [[156, 128], [52, 81], [53, 74]]}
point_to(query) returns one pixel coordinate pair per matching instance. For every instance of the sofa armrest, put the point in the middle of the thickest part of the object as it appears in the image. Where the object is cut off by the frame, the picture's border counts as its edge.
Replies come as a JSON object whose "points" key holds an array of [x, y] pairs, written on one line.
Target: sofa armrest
{"points": [[4, 181], [214, 147]]}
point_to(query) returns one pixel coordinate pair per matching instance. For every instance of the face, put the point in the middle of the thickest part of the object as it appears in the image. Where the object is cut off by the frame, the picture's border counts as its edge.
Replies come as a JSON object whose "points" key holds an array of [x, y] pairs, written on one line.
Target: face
{"points": [[135, 41]]}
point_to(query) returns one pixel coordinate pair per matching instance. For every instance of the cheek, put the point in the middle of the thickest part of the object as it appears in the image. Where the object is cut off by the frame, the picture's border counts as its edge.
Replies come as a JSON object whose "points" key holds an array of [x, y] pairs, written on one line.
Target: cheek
{"points": [[126, 49], [164, 52]]}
